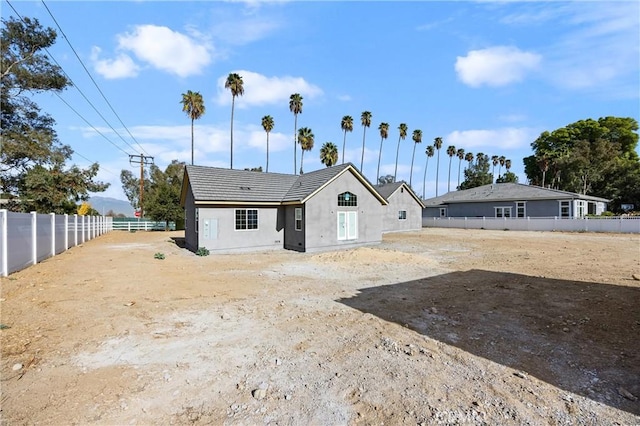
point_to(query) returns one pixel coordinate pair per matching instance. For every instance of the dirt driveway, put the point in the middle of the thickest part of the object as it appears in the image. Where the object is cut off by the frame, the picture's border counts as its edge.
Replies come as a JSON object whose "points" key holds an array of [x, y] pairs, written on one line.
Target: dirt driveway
{"points": [[437, 326]]}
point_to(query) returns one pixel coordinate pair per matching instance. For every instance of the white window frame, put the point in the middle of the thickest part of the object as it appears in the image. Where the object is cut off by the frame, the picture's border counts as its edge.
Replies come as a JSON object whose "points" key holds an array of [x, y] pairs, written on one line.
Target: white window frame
{"points": [[298, 218], [246, 217], [521, 205], [402, 215], [502, 210], [566, 204], [350, 229], [443, 212]]}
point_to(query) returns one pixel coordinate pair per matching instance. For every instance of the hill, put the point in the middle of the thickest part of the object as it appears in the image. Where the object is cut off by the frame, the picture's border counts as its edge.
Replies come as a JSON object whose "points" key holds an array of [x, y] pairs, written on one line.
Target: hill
{"points": [[104, 204]]}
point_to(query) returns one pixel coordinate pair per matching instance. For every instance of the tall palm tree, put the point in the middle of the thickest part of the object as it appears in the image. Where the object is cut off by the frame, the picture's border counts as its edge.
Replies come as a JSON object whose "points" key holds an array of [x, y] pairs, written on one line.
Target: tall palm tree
{"points": [[494, 162], [403, 134], [507, 164], [451, 152], [347, 126], [437, 144], [501, 160], [235, 84], [193, 106], [384, 133], [429, 151], [417, 138], [329, 154], [267, 125], [460, 154], [469, 157], [365, 119], [295, 106], [305, 139]]}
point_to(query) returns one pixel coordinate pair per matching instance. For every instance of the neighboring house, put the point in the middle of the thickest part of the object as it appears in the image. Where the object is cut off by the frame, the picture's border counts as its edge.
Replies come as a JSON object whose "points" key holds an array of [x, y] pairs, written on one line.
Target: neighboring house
{"points": [[404, 211], [513, 200], [231, 210]]}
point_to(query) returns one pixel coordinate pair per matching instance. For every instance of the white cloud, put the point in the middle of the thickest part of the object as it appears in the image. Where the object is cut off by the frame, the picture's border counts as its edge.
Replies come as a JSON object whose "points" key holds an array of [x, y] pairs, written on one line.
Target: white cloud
{"points": [[263, 90], [495, 66], [122, 66], [505, 138], [160, 47]]}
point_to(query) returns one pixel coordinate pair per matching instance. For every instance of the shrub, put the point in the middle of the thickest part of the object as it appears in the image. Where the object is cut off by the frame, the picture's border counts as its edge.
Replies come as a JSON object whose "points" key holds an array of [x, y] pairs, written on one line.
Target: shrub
{"points": [[158, 256], [202, 251]]}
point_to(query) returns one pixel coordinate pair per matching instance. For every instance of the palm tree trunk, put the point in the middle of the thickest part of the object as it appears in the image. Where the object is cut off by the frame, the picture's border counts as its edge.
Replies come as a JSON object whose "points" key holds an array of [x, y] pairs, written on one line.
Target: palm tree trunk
{"points": [[412, 157], [364, 132], [449, 178], [395, 172], [344, 143], [301, 160], [424, 179], [295, 143], [437, 172], [379, 157], [233, 102], [267, 171], [459, 164], [192, 141]]}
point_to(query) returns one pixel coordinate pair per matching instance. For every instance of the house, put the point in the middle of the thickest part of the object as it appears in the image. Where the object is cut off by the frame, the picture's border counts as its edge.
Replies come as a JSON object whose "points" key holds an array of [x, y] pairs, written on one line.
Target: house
{"points": [[232, 210], [513, 200], [404, 209]]}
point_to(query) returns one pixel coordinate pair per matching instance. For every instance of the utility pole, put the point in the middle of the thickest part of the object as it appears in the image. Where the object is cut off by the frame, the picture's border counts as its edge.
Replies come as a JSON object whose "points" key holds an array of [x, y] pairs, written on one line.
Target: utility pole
{"points": [[143, 160]]}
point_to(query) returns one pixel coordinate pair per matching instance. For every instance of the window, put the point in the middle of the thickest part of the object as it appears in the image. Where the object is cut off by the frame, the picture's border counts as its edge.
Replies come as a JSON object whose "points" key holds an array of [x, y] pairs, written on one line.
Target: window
{"points": [[347, 199], [246, 219], [347, 226], [298, 217], [443, 212], [581, 208], [564, 208], [503, 211], [521, 209], [402, 215]]}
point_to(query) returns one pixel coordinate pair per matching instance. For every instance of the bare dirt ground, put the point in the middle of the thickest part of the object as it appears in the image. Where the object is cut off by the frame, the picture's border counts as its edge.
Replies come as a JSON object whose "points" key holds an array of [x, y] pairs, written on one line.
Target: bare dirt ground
{"points": [[440, 326]]}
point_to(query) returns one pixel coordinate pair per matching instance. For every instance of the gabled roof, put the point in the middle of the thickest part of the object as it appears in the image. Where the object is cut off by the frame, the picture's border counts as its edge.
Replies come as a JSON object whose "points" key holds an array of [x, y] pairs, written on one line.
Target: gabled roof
{"points": [[217, 185], [388, 189], [506, 192]]}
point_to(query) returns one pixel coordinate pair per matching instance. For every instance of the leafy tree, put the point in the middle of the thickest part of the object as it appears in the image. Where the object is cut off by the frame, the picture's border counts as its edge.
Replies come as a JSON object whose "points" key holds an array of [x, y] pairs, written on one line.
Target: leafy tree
{"points": [[451, 152], [384, 133], [403, 129], [33, 173], [305, 139], [295, 106], [346, 124], [508, 177], [429, 152], [253, 169], [329, 154], [365, 119], [494, 163], [193, 106], [460, 154], [163, 200], [417, 138], [235, 84], [437, 144], [85, 209], [477, 174], [131, 187], [267, 125]]}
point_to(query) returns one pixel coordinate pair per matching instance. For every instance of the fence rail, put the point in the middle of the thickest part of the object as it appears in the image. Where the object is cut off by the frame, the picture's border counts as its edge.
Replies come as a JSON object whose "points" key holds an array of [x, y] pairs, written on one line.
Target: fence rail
{"points": [[621, 224], [29, 238], [141, 225]]}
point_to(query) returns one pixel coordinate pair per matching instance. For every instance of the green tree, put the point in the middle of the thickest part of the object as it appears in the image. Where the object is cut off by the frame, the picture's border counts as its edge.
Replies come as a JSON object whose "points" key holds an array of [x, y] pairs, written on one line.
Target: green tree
{"points": [[429, 152], [131, 187], [417, 138], [305, 139], [477, 174], [365, 119], [451, 152], [437, 144], [235, 84], [267, 125], [295, 106], [402, 129], [346, 124], [163, 200], [193, 106], [384, 133], [329, 154], [508, 177], [469, 157], [460, 154], [501, 160], [33, 171], [494, 163]]}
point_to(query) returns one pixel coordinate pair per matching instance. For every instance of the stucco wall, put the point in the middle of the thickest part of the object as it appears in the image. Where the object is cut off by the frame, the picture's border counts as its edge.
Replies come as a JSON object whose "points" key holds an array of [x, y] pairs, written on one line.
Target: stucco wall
{"points": [[190, 236], [401, 200], [294, 239], [321, 217]]}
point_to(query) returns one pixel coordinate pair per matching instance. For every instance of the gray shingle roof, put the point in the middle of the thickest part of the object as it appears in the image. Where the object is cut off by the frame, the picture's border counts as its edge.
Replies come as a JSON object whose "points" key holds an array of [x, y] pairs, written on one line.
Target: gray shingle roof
{"points": [[308, 183], [388, 189], [506, 192]]}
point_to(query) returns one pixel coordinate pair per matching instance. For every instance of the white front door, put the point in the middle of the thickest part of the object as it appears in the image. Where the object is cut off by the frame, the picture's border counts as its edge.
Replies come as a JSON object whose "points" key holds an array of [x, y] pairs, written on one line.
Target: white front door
{"points": [[347, 225]]}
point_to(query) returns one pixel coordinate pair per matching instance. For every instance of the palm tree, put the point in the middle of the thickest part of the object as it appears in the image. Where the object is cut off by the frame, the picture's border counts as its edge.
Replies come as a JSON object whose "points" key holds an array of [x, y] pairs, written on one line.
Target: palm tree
{"points": [[193, 105], [347, 126], [469, 157], [384, 133], [417, 138], [451, 152], [365, 119], [235, 84], [437, 144], [507, 164], [501, 160], [494, 162], [267, 125], [305, 139], [295, 106], [403, 134], [329, 154], [460, 154], [429, 151]]}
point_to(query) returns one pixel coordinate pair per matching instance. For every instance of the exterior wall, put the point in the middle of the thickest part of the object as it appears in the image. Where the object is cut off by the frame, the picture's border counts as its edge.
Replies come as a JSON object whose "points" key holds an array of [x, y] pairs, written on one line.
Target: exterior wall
{"points": [[321, 216], [216, 229], [190, 235], [401, 200], [294, 239]]}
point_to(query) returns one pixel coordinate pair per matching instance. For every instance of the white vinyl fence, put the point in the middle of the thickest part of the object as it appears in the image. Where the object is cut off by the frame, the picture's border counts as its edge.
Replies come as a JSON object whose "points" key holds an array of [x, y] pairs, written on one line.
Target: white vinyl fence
{"points": [[29, 238], [630, 224]]}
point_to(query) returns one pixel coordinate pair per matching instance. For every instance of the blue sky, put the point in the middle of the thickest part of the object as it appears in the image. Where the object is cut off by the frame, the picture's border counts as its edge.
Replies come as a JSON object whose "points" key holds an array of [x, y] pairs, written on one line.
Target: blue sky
{"points": [[485, 76]]}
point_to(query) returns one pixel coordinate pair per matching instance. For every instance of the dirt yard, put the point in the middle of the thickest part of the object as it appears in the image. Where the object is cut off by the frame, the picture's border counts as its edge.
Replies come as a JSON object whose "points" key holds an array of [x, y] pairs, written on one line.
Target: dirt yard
{"points": [[438, 326]]}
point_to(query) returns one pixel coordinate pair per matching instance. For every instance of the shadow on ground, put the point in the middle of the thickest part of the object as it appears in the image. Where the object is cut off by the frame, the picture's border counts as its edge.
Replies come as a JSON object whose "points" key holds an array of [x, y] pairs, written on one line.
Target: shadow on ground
{"points": [[579, 336], [179, 241]]}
